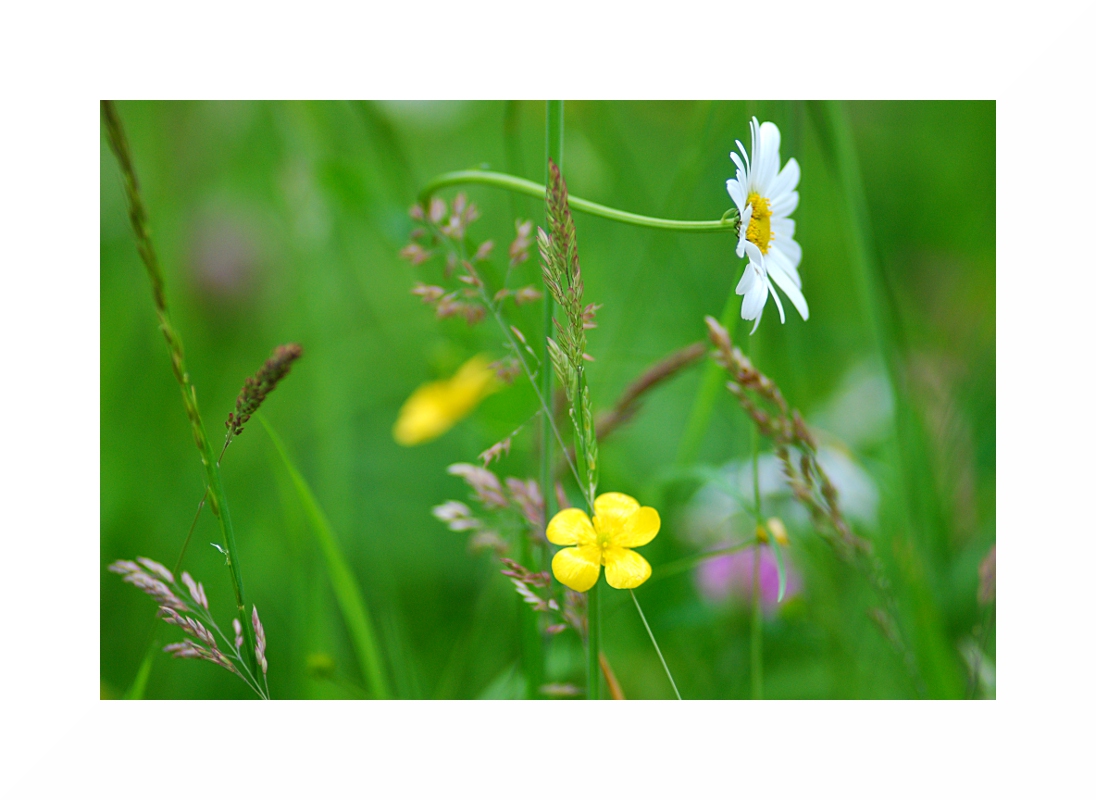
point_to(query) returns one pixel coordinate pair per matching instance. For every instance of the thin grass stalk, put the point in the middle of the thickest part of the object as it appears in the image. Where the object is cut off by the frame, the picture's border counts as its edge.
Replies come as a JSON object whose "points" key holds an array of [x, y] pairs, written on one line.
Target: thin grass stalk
{"points": [[658, 649], [348, 594], [218, 502]]}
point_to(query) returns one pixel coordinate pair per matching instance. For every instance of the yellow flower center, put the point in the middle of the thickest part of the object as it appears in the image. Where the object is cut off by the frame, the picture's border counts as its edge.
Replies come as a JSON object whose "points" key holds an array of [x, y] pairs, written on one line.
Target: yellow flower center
{"points": [[759, 230], [604, 535]]}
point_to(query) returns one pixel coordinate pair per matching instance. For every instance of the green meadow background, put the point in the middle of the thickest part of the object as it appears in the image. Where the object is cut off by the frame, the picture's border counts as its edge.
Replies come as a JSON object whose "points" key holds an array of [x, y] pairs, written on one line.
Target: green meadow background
{"points": [[279, 222]]}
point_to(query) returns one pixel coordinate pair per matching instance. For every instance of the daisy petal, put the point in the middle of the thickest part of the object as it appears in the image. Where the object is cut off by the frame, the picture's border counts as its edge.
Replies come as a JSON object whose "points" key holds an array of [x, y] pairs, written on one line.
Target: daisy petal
{"points": [[754, 301], [639, 528], [749, 275], [743, 225], [782, 227], [789, 249], [738, 193], [768, 163], [571, 526], [577, 567], [625, 569], [778, 260], [776, 297], [781, 278], [612, 510], [786, 181], [785, 205]]}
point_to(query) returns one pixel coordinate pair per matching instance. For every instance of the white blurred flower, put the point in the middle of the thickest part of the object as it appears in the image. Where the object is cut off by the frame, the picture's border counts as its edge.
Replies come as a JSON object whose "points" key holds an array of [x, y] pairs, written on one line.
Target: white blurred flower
{"points": [[765, 196]]}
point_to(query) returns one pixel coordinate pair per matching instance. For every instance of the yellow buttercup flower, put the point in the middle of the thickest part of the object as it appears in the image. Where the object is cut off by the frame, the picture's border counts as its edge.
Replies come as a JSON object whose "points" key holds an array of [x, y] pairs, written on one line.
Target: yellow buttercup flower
{"points": [[619, 524], [435, 407]]}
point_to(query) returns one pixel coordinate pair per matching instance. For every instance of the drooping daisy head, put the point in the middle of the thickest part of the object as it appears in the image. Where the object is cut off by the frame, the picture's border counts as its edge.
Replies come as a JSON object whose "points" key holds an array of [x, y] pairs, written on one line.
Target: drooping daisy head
{"points": [[765, 196]]}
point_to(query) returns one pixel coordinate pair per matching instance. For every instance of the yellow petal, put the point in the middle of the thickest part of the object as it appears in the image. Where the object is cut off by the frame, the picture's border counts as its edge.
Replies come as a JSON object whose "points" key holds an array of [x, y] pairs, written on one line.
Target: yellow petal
{"points": [[578, 567], [625, 569], [639, 528], [571, 526], [435, 407], [612, 510]]}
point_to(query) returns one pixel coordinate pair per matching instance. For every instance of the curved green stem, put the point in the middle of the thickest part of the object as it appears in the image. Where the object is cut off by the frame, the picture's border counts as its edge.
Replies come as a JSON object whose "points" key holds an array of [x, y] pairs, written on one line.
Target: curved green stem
{"points": [[500, 180]]}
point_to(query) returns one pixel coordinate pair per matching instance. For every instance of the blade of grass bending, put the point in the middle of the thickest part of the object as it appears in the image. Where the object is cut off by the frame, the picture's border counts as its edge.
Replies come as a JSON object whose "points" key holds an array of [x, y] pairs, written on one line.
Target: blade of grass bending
{"points": [[347, 592], [654, 642], [136, 690]]}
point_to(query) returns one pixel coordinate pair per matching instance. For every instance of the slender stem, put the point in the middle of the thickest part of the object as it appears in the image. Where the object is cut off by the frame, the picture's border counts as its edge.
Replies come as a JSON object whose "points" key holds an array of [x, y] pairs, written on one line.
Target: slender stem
{"points": [[514, 184], [658, 650], [219, 504], [593, 643]]}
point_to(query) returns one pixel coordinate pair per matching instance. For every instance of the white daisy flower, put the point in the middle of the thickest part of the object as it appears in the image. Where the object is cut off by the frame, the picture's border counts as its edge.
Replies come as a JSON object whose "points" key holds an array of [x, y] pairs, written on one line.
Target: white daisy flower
{"points": [[766, 196]]}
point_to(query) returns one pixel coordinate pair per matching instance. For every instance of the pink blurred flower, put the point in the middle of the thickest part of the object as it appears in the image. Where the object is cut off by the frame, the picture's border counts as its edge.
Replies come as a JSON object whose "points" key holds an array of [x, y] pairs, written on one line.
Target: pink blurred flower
{"points": [[732, 574]]}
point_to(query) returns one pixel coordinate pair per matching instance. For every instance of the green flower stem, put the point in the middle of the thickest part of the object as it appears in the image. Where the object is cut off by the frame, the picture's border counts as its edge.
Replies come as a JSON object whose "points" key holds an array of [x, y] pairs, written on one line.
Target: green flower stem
{"points": [[512, 183], [218, 503], [593, 643], [658, 650]]}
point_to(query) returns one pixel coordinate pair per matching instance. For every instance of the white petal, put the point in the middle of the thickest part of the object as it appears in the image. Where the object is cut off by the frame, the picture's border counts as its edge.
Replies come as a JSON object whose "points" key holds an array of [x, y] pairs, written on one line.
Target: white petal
{"points": [[738, 193], [785, 204], [744, 155], [776, 259], [745, 223], [776, 297], [786, 181], [754, 301], [781, 278], [789, 248], [767, 164], [754, 252], [782, 226], [746, 283]]}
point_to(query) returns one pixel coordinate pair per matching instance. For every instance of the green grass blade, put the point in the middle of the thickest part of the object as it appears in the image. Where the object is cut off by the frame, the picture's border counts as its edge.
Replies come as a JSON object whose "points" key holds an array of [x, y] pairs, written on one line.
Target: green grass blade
{"points": [[136, 690], [347, 592]]}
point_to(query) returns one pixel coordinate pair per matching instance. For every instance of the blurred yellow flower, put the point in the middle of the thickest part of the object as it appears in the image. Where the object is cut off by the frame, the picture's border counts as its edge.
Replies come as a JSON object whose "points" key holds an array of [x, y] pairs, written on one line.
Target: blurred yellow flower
{"points": [[619, 524], [435, 407]]}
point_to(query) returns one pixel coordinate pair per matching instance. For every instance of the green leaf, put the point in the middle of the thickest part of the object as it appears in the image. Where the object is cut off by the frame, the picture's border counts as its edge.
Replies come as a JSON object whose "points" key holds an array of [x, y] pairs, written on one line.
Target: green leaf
{"points": [[136, 691], [347, 592]]}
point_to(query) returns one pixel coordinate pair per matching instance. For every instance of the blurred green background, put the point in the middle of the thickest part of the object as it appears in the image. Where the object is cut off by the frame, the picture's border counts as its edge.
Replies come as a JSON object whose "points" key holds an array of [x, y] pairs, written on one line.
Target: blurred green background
{"points": [[280, 222]]}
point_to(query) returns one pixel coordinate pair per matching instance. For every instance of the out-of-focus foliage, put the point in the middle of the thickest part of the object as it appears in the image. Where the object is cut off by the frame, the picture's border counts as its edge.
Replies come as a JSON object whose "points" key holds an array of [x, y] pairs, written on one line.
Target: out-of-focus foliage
{"points": [[280, 222]]}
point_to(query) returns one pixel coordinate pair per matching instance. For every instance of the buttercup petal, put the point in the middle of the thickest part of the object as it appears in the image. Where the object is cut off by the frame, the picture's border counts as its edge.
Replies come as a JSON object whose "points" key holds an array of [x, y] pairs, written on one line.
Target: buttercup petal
{"points": [[578, 567], [625, 569], [639, 528], [571, 526], [612, 510]]}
